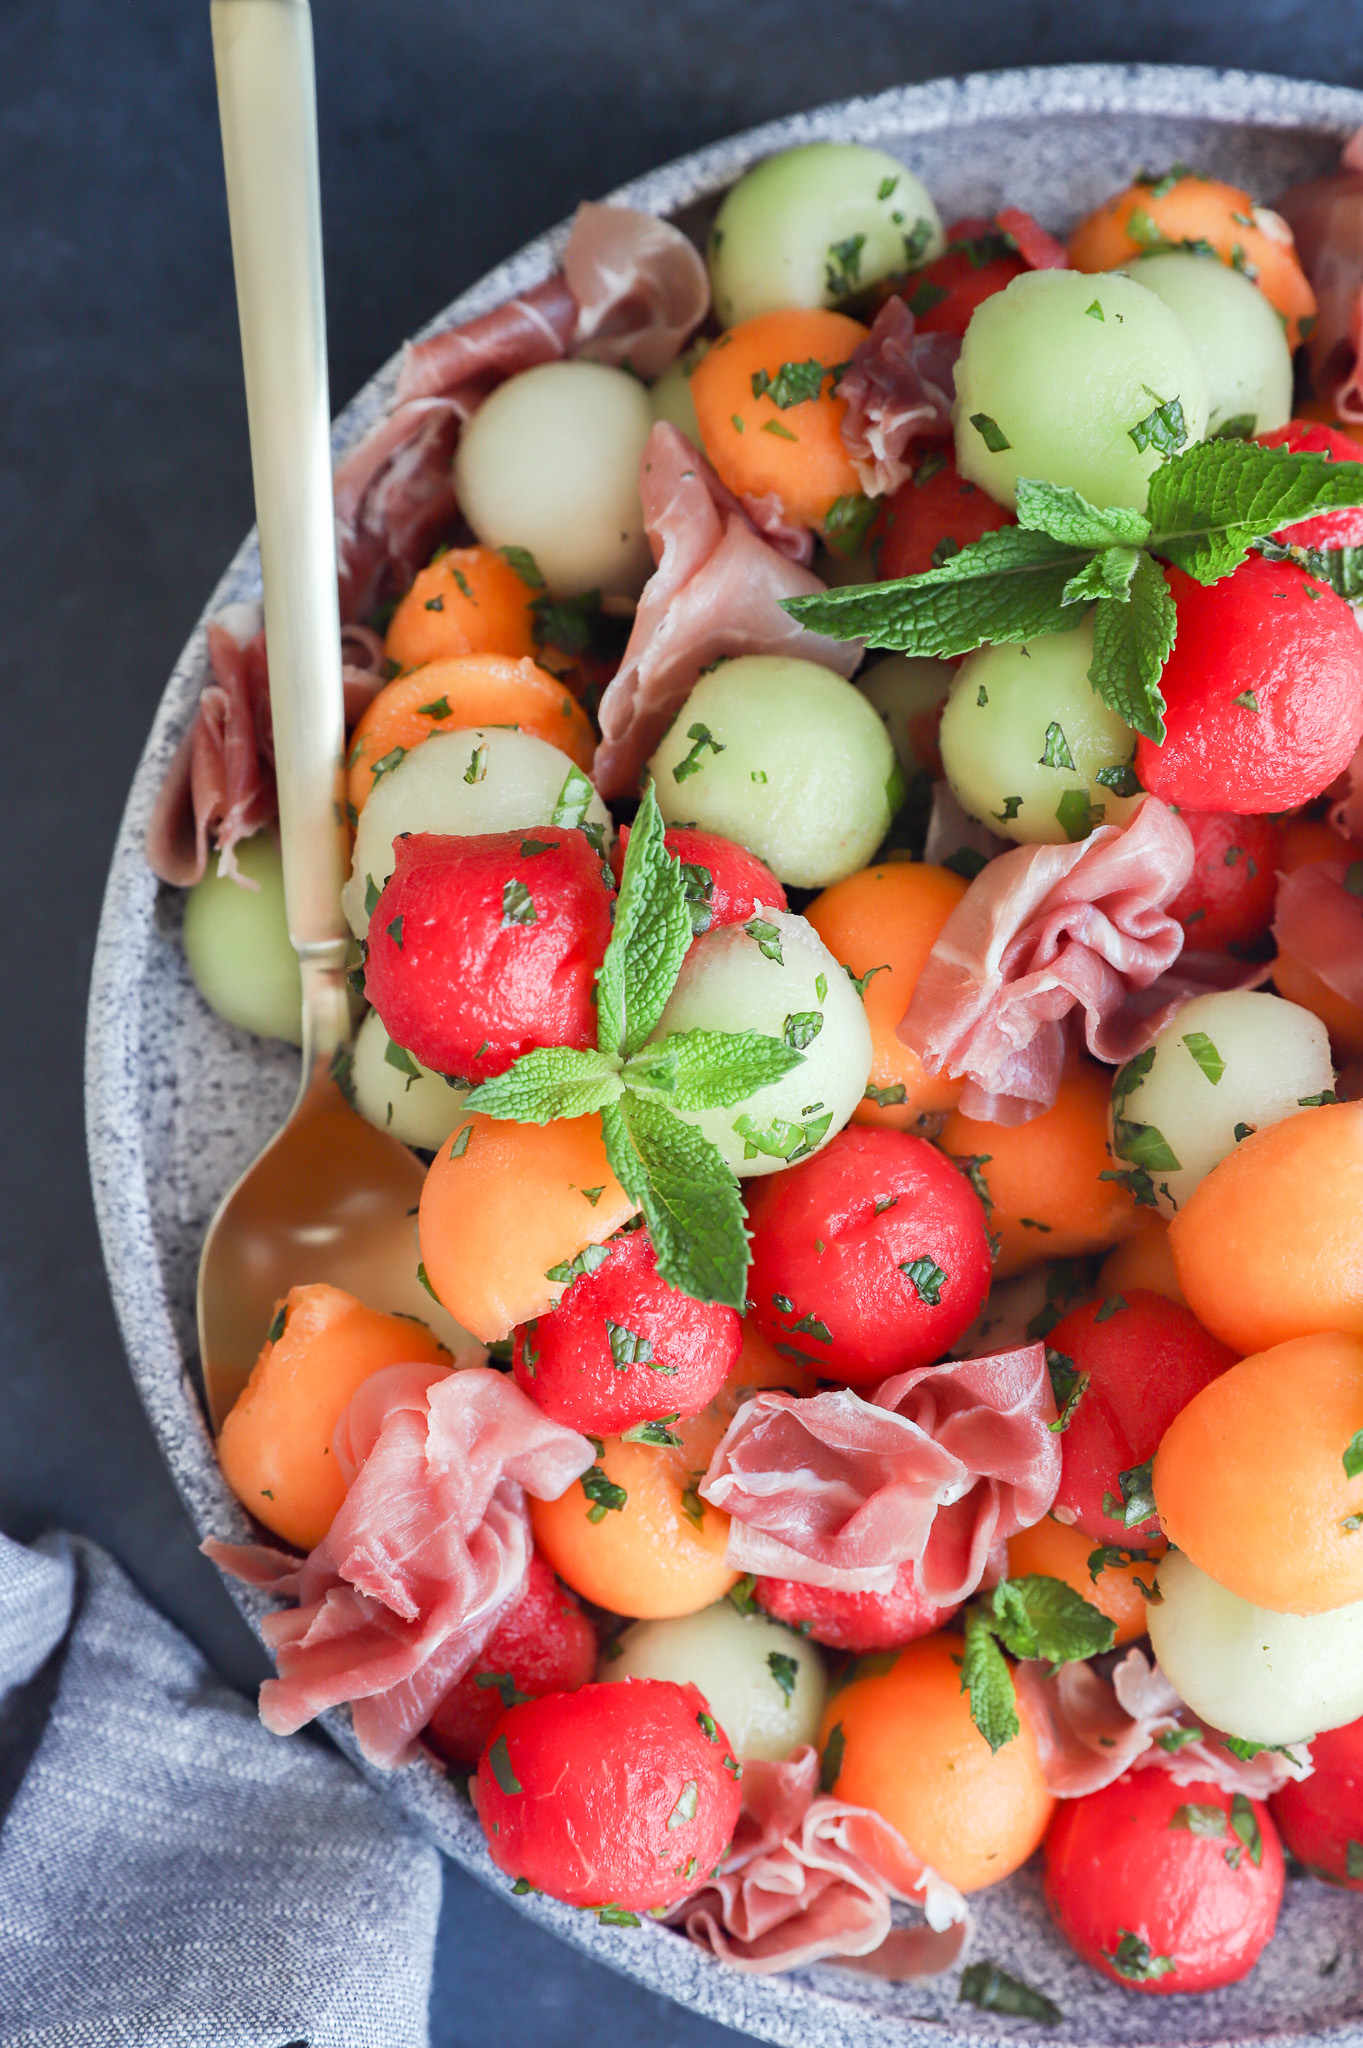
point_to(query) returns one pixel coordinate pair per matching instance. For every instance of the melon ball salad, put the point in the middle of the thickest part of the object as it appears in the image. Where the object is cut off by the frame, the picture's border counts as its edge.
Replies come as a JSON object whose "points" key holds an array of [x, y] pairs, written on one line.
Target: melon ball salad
{"points": [[853, 900]]}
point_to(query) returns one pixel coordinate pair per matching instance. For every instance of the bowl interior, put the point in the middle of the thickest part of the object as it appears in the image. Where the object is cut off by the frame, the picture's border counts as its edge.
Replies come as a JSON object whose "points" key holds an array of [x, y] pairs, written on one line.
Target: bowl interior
{"points": [[179, 1102]]}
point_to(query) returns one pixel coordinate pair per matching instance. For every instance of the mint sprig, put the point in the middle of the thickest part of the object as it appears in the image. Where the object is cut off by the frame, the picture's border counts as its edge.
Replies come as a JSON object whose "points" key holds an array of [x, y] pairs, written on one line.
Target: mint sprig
{"points": [[1032, 1616], [671, 1172], [1209, 505]]}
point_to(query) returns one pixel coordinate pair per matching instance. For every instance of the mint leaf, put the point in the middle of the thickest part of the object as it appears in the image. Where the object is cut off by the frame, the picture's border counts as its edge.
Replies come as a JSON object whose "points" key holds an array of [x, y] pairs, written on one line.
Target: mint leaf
{"points": [[782, 1139], [1055, 752], [767, 939], [550, 1082], [586, 1261], [574, 799], [1108, 574], [1128, 1079], [1112, 1554], [1165, 429], [1077, 814], [989, 1682], [830, 1764], [1206, 1055], [847, 522], [710, 1069], [1068, 1385], [926, 1278], [1132, 1959], [518, 905], [1007, 586], [1353, 1455], [703, 741], [995, 1990], [1245, 1823], [990, 432], [802, 1027], [785, 1670], [1144, 1145], [1043, 1617], [525, 566], [689, 1197], [1066, 516], [1209, 506], [648, 945], [1137, 1503], [793, 383], [1131, 643]]}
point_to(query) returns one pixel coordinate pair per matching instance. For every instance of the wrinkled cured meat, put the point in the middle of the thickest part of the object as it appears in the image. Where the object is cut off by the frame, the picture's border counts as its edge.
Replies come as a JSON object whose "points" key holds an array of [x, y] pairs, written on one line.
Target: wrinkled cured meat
{"points": [[768, 515], [640, 287], [808, 1877], [394, 501], [1038, 249], [940, 1466], [219, 788], [1090, 1729], [716, 591], [1041, 931], [1326, 218], [428, 1551], [899, 388], [1318, 921], [463, 363]]}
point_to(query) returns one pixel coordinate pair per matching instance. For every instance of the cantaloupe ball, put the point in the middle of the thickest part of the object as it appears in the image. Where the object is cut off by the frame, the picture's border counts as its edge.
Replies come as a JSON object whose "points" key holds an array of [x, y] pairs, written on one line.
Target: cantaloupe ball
{"points": [[1145, 1259], [1053, 1551], [1252, 1478], [1270, 1245], [763, 1683], [910, 1751]]}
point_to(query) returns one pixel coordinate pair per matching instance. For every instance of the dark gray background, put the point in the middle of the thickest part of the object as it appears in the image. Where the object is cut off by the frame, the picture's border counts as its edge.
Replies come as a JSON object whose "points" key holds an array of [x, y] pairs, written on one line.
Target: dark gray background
{"points": [[451, 132]]}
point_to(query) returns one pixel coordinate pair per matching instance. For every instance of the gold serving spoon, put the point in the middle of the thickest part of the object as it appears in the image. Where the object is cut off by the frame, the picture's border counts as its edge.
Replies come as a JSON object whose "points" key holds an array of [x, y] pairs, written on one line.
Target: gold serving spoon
{"points": [[330, 1198]]}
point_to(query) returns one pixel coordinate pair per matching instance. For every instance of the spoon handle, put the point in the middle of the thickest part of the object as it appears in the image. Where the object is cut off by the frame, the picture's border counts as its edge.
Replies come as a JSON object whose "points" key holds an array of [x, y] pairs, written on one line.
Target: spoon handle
{"points": [[267, 106]]}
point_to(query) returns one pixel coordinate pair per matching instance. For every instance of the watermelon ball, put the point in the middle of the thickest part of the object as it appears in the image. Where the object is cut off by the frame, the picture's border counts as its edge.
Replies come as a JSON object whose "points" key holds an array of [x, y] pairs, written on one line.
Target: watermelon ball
{"points": [[977, 262], [855, 1621], [616, 1795], [1342, 529], [1229, 897], [1165, 1887], [868, 1259], [483, 947], [1321, 1817], [1263, 689], [622, 1347], [934, 515], [725, 884], [1145, 1357], [546, 1644]]}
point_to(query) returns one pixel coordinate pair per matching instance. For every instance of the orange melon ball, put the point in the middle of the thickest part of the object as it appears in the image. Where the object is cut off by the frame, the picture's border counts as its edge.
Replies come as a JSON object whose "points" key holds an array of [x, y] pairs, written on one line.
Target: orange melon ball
{"points": [[658, 1554], [910, 1751], [758, 444], [467, 601], [1145, 1259], [1270, 1245], [1250, 1477], [1200, 210], [1054, 1551], [452, 694], [1048, 1200], [503, 1205], [275, 1447], [1341, 1018], [884, 922]]}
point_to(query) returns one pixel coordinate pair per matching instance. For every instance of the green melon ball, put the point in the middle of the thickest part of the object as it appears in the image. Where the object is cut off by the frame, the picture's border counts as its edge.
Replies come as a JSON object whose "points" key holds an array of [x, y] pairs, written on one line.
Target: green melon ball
{"points": [[398, 1094], [813, 226], [550, 462], [237, 944], [1029, 747], [908, 691], [763, 1684], [774, 975], [1237, 334], [1057, 372], [669, 396], [1226, 1065], [787, 758], [481, 780]]}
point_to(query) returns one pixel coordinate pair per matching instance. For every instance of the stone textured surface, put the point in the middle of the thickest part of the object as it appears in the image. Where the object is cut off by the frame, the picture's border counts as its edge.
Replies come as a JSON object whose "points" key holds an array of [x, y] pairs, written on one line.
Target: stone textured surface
{"points": [[178, 1102]]}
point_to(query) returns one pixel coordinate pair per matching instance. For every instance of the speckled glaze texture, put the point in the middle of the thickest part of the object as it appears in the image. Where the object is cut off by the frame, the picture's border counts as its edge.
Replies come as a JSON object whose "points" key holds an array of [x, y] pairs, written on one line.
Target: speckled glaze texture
{"points": [[179, 1102]]}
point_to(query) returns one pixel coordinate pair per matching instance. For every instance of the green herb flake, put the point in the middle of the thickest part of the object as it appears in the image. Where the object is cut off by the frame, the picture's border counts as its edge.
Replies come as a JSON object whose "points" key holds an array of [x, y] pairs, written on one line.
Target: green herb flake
{"points": [[1137, 1502], [627, 1347], [767, 937], [1208, 1821], [741, 1595], [499, 1762], [603, 1493], [656, 1433], [1206, 1056], [785, 1670], [793, 384], [1133, 1960], [693, 1507], [821, 986], [616, 1916], [691, 763], [396, 1056], [390, 761], [504, 1683], [587, 1260], [801, 1028], [842, 270], [1245, 1823], [1246, 700], [517, 905], [1120, 779], [688, 1799], [276, 1329], [1175, 1739], [1353, 1456], [1077, 814], [439, 707], [1011, 806], [830, 1764], [847, 522], [1069, 1387], [573, 800], [1143, 1145], [926, 1277], [1353, 1859], [706, 1724], [1055, 752], [394, 932], [1165, 429], [477, 768], [1095, 312], [1108, 1556], [886, 187], [995, 1990], [781, 433], [525, 566], [990, 432]]}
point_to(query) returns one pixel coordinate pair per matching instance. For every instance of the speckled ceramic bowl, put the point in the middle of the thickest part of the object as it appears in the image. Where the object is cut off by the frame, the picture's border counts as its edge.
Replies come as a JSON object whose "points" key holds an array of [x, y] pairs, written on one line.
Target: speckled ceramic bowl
{"points": [[178, 1101]]}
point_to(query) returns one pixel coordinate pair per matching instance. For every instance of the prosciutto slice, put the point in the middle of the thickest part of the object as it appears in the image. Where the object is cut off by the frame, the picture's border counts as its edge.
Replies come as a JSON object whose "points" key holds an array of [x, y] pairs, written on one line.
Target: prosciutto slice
{"points": [[716, 591], [809, 1877], [1043, 931], [1318, 920], [939, 1467], [640, 287], [1326, 218], [899, 389], [1090, 1729], [427, 1554]]}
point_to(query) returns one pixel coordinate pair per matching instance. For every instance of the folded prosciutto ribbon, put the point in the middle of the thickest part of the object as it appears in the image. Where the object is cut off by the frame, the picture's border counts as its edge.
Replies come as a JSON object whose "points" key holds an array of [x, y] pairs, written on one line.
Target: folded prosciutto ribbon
{"points": [[809, 1877], [427, 1555], [939, 1467], [1041, 932]]}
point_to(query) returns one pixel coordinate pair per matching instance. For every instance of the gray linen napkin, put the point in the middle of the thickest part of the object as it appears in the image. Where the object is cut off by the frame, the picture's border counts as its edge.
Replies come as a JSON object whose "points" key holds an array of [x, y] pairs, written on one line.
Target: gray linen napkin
{"points": [[171, 1876]]}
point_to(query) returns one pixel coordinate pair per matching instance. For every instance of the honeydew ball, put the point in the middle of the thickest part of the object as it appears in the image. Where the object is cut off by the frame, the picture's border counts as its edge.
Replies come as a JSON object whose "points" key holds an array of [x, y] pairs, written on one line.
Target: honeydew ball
{"points": [[774, 975], [1262, 1676], [236, 940], [1025, 739], [481, 780], [398, 1094], [1224, 1066], [669, 396], [1047, 388], [550, 462], [763, 1684], [789, 759], [908, 691], [1236, 333], [815, 225]]}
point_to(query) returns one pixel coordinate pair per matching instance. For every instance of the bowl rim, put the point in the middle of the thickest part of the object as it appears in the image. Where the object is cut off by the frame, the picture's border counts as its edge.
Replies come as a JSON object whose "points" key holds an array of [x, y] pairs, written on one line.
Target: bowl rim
{"points": [[787, 2010]]}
